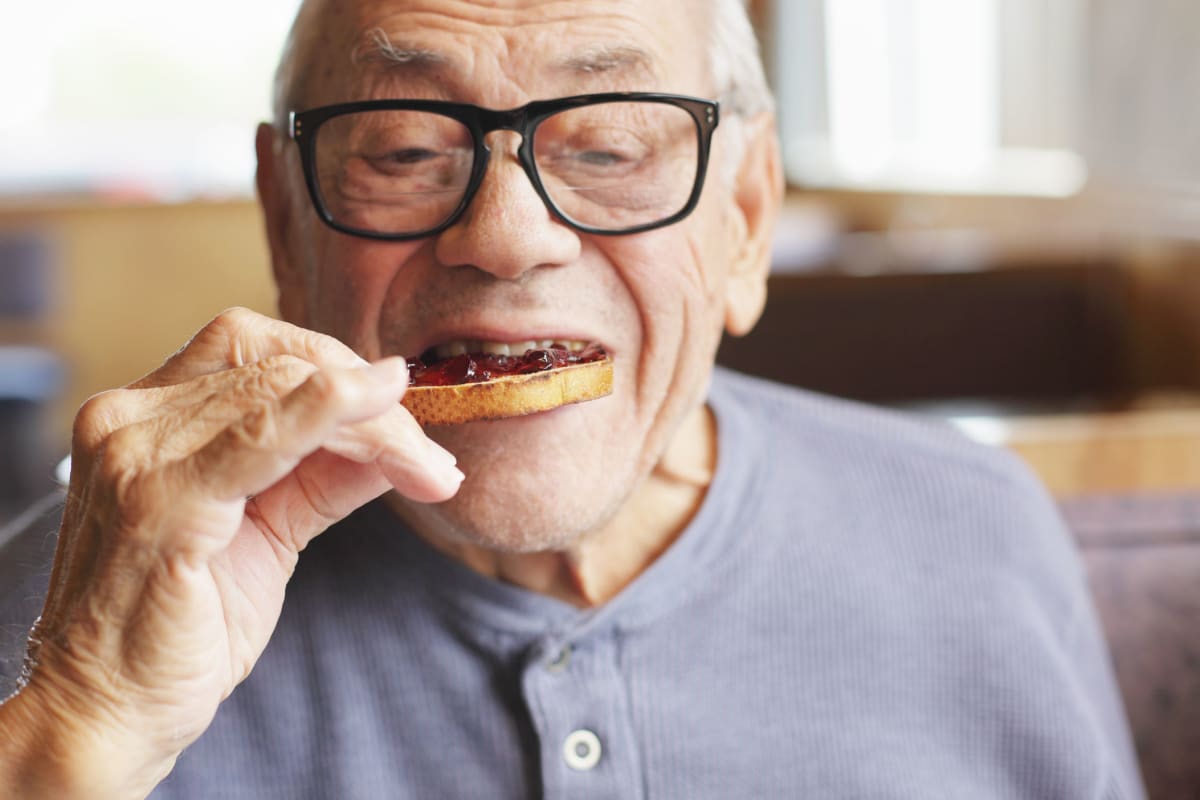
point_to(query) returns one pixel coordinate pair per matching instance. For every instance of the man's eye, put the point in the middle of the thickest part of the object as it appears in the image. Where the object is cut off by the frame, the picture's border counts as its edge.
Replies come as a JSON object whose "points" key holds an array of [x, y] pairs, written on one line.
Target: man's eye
{"points": [[601, 158], [412, 155]]}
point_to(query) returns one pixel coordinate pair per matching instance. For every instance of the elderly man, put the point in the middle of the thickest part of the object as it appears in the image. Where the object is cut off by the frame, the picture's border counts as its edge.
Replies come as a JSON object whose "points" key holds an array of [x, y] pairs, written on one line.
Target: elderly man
{"points": [[699, 586]]}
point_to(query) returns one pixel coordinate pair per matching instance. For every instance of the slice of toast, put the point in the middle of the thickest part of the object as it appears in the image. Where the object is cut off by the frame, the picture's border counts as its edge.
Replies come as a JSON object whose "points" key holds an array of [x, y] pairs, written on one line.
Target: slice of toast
{"points": [[509, 395]]}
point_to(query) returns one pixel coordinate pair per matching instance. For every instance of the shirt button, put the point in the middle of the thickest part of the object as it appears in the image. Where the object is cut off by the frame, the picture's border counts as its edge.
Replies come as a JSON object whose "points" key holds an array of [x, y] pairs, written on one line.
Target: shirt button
{"points": [[561, 659], [581, 750]]}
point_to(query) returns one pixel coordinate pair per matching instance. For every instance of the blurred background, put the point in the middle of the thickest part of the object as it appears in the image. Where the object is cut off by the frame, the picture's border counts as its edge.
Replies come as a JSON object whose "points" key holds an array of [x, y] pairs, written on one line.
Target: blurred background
{"points": [[993, 218], [994, 212]]}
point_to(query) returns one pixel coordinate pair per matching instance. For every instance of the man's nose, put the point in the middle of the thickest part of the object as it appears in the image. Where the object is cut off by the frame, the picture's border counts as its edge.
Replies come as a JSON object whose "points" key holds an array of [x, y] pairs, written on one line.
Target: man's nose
{"points": [[507, 230]]}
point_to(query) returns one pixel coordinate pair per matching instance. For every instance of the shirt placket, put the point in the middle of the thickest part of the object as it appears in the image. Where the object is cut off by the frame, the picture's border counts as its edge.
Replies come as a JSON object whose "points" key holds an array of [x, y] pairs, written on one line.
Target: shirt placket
{"points": [[579, 706]]}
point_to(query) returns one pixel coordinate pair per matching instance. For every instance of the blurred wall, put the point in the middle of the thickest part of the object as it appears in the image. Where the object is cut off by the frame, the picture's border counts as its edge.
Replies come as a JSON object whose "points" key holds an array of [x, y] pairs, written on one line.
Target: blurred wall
{"points": [[133, 282]]}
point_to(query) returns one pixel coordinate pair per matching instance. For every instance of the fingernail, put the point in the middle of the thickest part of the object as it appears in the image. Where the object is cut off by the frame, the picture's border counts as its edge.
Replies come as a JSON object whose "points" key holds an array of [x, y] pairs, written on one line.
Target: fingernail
{"points": [[389, 370]]}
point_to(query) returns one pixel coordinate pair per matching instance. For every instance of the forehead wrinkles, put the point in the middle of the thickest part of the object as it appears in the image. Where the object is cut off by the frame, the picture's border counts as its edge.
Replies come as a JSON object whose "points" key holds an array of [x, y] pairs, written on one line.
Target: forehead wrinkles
{"points": [[474, 43]]}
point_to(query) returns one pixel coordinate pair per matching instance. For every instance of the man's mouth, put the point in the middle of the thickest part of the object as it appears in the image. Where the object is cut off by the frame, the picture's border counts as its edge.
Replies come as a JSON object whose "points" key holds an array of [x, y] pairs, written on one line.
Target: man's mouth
{"points": [[459, 347], [475, 360]]}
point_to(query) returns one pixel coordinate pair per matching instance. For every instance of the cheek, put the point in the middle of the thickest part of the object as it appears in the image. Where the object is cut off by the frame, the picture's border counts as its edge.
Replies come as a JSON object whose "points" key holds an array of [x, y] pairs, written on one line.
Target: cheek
{"points": [[675, 289], [675, 277], [352, 280]]}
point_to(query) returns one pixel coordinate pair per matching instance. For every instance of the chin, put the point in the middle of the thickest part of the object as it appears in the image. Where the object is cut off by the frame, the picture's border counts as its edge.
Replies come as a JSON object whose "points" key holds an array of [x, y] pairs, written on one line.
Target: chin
{"points": [[534, 484]]}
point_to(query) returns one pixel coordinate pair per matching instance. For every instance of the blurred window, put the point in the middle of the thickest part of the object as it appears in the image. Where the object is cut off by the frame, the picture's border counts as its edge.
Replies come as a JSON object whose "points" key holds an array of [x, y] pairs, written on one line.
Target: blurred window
{"points": [[960, 96], [136, 98]]}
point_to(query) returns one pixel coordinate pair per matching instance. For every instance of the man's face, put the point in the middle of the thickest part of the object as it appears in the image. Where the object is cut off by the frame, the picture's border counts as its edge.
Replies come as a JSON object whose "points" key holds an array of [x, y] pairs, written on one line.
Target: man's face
{"points": [[508, 271]]}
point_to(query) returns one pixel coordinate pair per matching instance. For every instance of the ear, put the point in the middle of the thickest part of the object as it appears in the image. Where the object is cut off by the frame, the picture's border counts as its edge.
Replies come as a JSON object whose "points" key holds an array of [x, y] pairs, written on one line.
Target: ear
{"points": [[757, 197], [273, 196]]}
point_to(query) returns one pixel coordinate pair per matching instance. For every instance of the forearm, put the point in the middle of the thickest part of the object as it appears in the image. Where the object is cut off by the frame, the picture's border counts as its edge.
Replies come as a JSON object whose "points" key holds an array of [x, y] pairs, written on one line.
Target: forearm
{"points": [[167, 582]]}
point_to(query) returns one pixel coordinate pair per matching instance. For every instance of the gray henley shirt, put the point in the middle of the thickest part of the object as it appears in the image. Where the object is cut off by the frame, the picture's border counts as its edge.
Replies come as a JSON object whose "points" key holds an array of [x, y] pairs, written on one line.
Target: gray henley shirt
{"points": [[865, 606]]}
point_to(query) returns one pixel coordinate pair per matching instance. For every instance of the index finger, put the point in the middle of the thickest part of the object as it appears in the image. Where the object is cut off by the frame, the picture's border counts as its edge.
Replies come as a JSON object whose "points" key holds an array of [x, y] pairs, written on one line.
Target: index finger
{"points": [[239, 336]]}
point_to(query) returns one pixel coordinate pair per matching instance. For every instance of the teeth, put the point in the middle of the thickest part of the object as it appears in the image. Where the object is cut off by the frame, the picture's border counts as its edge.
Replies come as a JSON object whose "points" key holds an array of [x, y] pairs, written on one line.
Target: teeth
{"points": [[496, 348], [452, 349], [460, 347]]}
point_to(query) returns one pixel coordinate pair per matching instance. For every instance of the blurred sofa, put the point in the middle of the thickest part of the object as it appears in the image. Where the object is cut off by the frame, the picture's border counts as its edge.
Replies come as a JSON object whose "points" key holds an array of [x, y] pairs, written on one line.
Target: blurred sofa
{"points": [[1142, 553]]}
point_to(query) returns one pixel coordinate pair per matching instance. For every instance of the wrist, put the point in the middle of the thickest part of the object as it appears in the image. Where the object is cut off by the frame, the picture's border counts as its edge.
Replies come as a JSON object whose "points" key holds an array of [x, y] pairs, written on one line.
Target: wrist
{"points": [[31, 764], [47, 752]]}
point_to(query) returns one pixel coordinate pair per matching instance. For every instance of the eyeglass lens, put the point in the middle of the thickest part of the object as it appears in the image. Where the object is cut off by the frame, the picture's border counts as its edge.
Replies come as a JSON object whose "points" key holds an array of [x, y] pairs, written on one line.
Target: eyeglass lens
{"points": [[609, 166]]}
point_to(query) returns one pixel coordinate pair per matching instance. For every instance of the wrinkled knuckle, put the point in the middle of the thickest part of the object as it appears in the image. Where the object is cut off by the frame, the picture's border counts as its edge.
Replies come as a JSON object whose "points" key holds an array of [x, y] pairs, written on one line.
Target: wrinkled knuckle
{"points": [[232, 319], [123, 477], [137, 497], [285, 362], [331, 390], [226, 326], [97, 418], [113, 471], [117, 457], [259, 428], [261, 385], [283, 372]]}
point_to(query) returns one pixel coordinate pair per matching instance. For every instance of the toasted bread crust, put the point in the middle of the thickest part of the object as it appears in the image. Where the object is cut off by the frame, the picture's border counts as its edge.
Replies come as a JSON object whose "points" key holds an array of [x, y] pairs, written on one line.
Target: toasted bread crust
{"points": [[509, 396]]}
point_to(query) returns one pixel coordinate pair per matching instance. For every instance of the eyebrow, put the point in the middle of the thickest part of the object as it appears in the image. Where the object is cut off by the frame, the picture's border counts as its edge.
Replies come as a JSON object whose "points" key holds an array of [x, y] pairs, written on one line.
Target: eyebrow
{"points": [[598, 60], [377, 46], [605, 59]]}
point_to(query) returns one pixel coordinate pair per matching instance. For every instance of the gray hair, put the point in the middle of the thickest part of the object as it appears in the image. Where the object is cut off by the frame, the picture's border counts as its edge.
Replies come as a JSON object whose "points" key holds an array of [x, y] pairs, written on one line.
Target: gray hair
{"points": [[735, 63], [737, 73]]}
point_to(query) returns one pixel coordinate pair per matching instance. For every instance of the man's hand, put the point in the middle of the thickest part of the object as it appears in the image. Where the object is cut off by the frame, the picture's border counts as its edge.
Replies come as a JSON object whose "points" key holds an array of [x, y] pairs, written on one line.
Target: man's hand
{"points": [[192, 491]]}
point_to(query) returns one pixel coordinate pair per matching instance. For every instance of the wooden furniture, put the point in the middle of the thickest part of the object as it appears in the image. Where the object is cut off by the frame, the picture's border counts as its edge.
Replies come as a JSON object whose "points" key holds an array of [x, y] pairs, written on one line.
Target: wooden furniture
{"points": [[1051, 335]]}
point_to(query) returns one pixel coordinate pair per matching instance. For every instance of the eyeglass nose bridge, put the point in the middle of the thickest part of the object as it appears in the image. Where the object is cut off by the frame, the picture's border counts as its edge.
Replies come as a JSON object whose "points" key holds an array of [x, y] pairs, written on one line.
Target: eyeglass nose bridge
{"points": [[521, 122], [513, 119]]}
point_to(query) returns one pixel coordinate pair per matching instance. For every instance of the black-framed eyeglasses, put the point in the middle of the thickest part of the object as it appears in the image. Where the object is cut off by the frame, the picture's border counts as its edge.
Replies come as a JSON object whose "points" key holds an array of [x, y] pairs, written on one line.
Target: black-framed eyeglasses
{"points": [[613, 163]]}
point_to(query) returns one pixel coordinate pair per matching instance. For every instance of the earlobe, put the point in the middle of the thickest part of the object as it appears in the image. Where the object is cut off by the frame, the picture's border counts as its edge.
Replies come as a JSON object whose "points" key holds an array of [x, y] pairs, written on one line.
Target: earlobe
{"points": [[746, 299], [278, 219], [758, 195]]}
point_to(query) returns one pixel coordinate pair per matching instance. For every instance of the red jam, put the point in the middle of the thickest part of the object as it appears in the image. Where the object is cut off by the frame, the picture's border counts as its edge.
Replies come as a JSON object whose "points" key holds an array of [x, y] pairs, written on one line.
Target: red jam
{"points": [[479, 367]]}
